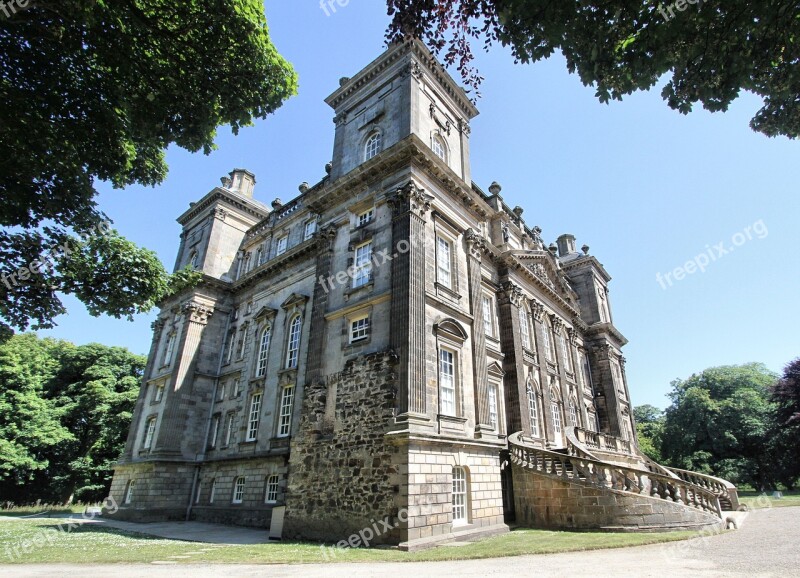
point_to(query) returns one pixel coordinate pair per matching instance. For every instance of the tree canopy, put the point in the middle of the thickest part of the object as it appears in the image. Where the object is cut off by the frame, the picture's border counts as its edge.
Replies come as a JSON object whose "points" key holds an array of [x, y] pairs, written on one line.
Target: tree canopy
{"points": [[98, 90], [713, 49], [649, 430], [64, 417], [719, 423]]}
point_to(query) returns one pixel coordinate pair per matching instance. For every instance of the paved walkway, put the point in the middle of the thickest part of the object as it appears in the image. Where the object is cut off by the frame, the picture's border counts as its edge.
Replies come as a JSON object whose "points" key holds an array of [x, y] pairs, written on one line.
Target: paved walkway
{"points": [[767, 546]]}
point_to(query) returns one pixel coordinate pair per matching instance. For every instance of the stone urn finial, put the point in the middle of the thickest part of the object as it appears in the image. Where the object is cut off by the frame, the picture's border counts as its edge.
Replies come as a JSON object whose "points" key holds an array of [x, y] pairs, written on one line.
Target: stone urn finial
{"points": [[303, 187], [277, 204], [328, 168], [585, 249], [495, 188]]}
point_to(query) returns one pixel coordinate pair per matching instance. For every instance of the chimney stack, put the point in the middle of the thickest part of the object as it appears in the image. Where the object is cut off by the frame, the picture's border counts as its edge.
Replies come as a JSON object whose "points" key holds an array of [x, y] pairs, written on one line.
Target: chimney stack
{"points": [[566, 245], [243, 182]]}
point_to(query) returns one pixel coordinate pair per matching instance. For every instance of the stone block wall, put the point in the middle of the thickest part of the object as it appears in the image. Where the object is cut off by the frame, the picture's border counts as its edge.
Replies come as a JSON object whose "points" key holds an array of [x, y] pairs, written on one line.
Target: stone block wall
{"points": [[430, 483], [544, 502], [344, 474], [161, 491]]}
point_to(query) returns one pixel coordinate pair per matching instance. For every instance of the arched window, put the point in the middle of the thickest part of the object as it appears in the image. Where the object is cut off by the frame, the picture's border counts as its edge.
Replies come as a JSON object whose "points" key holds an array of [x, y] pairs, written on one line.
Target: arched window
{"points": [[373, 146], [263, 350], [129, 492], [556, 414], [438, 147], [213, 491], [271, 490], [573, 413], [293, 346], [547, 334], [259, 256], [564, 342], [533, 411], [194, 260], [524, 328], [238, 490], [460, 496]]}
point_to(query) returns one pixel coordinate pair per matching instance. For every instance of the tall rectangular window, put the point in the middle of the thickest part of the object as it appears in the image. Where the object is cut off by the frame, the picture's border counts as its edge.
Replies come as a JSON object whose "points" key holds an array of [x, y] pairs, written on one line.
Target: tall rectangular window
{"points": [[362, 265], [565, 351], [282, 245], [488, 316], [447, 382], [150, 430], [213, 492], [493, 406], [254, 417], [459, 495], [285, 416], [573, 413], [159, 393], [229, 346], [533, 412], [293, 345], [271, 490], [444, 262], [212, 433], [263, 350], [524, 328], [170, 349], [308, 232], [229, 429], [243, 342], [556, 412]]}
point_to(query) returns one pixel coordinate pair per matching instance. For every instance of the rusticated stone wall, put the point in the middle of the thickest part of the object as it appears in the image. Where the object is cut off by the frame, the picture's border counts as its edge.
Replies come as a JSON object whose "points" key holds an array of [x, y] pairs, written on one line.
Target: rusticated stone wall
{"points": [[343, 474], [544, 502]]}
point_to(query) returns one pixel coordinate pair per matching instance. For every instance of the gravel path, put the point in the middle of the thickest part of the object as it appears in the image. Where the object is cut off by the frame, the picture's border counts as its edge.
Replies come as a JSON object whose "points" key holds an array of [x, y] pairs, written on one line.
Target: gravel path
{"points": [[767, 545]]}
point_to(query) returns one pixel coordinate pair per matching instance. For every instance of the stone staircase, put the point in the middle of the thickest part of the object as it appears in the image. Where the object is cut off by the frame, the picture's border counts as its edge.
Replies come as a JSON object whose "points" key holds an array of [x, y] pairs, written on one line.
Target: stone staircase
{"points": [[599, 481]]}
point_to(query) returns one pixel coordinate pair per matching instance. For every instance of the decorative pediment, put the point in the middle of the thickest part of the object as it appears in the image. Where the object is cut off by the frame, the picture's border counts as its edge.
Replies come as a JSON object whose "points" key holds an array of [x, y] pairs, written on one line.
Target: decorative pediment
{"points": [[265, 314], [294, 300], [451, 329], [495, 370]]}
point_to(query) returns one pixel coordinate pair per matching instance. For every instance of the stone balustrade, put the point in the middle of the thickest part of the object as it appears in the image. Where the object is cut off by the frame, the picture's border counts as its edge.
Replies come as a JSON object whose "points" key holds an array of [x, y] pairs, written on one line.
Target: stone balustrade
{"points": [[725, 490], [582, 469]]}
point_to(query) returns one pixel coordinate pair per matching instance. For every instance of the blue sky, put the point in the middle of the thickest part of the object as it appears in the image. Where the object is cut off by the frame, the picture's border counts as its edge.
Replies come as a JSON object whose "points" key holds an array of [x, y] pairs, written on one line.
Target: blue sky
{"points": [[647, 188]]}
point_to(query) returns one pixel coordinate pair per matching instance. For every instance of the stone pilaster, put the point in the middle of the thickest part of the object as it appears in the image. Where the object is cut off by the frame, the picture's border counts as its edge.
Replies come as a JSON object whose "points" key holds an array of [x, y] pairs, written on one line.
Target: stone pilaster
{"points": [[130, 442], [173, 421], [409, 205], [475, 248], [322, 288], [510, 300]]}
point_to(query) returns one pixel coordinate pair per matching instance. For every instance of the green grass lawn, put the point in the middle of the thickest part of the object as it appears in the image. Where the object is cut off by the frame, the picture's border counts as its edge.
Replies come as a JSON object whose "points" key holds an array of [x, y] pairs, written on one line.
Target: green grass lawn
{"points": [[756, 500], [48, 541], [53, 510]]}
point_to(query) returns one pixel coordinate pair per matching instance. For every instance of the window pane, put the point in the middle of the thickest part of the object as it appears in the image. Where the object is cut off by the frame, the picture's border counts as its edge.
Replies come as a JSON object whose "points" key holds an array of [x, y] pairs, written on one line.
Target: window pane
{"points": [[444, 263], [263, 350], [285, 418], [488, 316], [293, 349], [459, 495], [556, 417], [533, 412], [447, 382], [363, 265], [254, 417], [493, 406]]}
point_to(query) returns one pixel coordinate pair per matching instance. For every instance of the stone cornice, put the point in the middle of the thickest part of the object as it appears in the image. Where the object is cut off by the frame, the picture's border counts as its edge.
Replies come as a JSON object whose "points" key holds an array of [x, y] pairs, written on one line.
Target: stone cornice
{"points": [[279, 263], [244, 204], [393, 55], [586, 260], [606, 330]]}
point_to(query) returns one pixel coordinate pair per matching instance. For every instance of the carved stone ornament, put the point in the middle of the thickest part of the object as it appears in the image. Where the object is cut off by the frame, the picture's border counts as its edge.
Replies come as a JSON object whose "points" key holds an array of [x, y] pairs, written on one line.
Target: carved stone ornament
{"points": [[475, 243], [410, 198], [463, 126], [513, 293], [197, 312], [158, 324], [537, 309], [220, 213], [340, 119], [557, 322], [412, 69], [573, 336]]}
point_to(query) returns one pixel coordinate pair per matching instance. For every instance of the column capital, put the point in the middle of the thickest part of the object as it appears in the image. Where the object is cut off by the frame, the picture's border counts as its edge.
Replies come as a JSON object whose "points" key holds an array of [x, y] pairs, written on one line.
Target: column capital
{"points": [[410, 199], [537, 308], [513, 293], [197, 312], [476, 245]]}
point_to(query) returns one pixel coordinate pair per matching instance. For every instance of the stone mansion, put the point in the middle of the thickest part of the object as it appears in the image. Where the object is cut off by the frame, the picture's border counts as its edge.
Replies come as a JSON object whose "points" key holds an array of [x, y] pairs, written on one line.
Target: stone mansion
{"points": [[395, 343]]}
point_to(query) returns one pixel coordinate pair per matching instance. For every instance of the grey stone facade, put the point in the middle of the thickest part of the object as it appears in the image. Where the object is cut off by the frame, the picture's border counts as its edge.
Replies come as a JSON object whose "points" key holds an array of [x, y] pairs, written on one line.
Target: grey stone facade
{"points": [[360, 351]]}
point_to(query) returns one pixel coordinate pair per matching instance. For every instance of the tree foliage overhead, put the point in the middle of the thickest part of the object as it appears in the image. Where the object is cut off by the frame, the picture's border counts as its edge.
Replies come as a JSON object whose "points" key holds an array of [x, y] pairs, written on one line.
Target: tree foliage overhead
{"points": [[719, 423], [64, 417], [713, 49], [98, 90]]}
